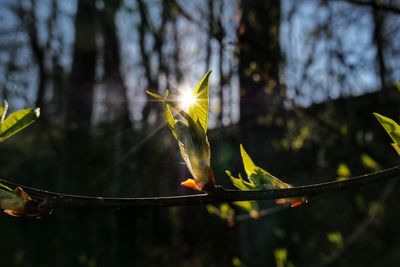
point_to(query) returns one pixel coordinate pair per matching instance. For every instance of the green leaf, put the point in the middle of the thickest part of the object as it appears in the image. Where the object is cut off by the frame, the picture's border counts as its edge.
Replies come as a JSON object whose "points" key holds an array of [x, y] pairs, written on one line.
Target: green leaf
{"points": [[396, 147], [199, 110], [167, 110], [3, 111], [369, 162], [13, 200], [224, 211], [239, 182], [262, 179], [335, 238], [248, 164], [259, 178], [17, 121], [248, 206], [281, 256], [170, 119], [8, 199], [195, 150], [397, 85], [391, 127], [168, 114], [4, 187], [343, 171], [155, 95]]}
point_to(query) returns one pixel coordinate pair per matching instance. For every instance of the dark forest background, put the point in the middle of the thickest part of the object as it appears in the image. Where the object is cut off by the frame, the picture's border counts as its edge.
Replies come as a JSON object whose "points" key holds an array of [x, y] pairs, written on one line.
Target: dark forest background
{"points": [[296, 82]]}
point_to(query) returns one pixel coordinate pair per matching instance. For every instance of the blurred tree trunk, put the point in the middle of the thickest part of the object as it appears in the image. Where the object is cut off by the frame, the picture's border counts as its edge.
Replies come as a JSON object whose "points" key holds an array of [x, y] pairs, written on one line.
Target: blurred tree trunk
{"points": [[259, 58], [152, 83], [219, 34], [116, 89], [210, 4], [175, 36], [30, 21], [378, 40], [79, 101], [79, 94]]}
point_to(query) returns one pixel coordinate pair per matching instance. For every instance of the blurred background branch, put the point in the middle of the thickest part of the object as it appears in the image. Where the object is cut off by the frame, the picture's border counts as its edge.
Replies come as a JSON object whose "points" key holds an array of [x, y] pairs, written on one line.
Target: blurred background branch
{"points": [[294, 81]]}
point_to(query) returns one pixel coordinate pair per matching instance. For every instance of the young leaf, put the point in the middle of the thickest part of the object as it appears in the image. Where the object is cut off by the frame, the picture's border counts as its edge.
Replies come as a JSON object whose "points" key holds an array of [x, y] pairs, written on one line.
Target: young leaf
{"points": [[17, 121], [13, 201], [258, 176], [249, 206], [261, 179], [224, 211], [155, 95], [168, 116], [239, 182], [189, 129], [195, 151], [391, 127], [369, 162], [199, 109], [248, 164], [397, 148]]}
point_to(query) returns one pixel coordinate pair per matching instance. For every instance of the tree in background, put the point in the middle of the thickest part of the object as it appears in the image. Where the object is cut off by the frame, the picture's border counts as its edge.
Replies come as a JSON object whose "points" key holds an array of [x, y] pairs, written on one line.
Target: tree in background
{"points": [[88, 64]]}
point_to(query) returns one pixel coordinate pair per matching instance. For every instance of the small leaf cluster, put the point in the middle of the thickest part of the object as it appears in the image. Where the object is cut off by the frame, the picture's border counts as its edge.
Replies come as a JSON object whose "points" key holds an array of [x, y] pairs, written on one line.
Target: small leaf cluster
{"points": [[392, 128], [13, 201], [190, 131], [260, 179]]}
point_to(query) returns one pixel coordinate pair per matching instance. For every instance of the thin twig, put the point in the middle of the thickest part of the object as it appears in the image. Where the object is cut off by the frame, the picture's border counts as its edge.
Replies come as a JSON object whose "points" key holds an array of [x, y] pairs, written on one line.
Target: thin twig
{"points": [[46, 200]]}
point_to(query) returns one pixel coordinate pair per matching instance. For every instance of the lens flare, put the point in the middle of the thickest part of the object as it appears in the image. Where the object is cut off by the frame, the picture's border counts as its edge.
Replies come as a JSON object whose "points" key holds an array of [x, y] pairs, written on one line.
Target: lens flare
{"points": [[186, 99]]}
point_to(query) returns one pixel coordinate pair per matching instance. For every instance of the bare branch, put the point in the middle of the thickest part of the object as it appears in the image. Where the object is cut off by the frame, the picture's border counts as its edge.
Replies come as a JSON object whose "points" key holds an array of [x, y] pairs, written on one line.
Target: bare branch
{"points": [[44, 200], [377, 5]]}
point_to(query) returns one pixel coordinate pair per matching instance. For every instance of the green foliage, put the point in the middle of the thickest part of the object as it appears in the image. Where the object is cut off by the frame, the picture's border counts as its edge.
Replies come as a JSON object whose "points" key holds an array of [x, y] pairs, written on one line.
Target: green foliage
{"points": [[335, 238], [392, 128], [343, 172], [13, 201], [199, 110], [240, 183], [250, 207], [236, 262], [248, 164], [16, 121], [370, 207], [280, 257], [223, 211], [369, 162], [190, 130], [258, 178]]}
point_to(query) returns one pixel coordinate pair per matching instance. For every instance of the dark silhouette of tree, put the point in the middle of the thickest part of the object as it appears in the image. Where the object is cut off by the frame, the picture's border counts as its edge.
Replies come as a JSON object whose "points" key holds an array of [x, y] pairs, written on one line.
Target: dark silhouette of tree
{"points": [[259, 59], [112, 77]]}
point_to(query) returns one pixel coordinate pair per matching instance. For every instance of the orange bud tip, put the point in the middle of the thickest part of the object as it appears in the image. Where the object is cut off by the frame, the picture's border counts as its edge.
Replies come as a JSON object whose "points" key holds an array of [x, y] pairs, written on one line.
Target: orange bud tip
{"points": [[11, 213], [191, 184], [296, 203], [22, 194], [254, 214], [281, 201]]}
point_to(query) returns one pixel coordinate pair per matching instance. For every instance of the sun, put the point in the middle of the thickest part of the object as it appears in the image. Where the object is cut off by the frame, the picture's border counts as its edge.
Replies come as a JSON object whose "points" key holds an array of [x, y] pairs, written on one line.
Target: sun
{"points": [[186, 99]]}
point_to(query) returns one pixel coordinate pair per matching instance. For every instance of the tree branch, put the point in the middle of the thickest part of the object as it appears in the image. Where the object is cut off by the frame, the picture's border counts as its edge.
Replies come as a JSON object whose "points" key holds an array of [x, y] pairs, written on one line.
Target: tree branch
{"points": [[44, 200], [376, 4]]}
